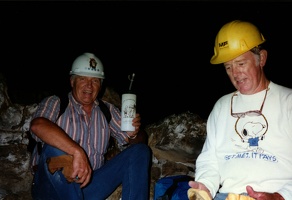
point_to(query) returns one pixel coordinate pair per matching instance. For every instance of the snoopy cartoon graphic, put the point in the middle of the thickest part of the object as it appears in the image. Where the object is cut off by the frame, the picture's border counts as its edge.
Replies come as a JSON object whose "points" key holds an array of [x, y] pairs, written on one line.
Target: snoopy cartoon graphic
{"points": [[252, 133]]}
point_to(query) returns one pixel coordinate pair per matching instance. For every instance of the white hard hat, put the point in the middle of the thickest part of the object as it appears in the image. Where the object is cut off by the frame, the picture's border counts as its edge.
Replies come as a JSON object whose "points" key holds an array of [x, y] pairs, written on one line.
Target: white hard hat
{"points": [[87, 64]]}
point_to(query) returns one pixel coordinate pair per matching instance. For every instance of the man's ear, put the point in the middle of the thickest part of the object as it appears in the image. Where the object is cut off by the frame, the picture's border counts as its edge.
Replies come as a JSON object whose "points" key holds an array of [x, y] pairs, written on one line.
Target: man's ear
{"points": [[263, 57], [71, 81]]}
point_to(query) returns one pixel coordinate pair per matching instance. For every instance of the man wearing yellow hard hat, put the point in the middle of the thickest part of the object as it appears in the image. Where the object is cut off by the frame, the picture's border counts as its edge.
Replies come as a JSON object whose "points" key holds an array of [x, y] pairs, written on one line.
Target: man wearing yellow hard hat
{"points": [[248, 150]]}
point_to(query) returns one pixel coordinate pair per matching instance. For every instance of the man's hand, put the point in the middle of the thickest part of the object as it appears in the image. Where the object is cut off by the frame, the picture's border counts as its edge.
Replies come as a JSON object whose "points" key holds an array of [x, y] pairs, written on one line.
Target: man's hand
{"points": [[72, 169], [200, 186], [263, 195], [81, 169]]}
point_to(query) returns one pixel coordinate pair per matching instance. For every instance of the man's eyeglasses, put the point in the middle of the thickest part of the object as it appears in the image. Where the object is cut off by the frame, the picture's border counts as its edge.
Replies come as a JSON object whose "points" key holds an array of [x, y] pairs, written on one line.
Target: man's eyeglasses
{"points": [[250, 113]]}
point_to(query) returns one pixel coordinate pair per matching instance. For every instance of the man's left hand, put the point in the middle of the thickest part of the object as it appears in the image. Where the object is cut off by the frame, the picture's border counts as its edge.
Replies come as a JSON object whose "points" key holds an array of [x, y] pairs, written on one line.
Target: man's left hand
{"points": [[263, 195]]}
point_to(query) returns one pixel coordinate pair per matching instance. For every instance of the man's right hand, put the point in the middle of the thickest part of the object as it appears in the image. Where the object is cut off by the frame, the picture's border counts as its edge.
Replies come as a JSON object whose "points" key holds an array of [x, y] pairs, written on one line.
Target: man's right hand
{"points": [[200, 186]]}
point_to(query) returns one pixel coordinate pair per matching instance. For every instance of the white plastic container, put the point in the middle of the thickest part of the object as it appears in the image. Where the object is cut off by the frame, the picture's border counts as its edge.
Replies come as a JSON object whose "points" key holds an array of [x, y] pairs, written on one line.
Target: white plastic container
{"points": [[128, 111]]}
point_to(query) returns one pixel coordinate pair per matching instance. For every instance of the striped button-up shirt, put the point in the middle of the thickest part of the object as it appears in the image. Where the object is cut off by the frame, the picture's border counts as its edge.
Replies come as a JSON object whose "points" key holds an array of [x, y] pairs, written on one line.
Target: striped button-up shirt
{"points": [[92, 133]]}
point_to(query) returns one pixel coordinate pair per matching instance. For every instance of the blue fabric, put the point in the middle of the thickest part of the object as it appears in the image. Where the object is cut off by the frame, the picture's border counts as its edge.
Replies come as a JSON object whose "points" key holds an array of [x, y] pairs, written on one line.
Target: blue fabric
{"points": [[221, 196], [180, 191], [129, 168]]}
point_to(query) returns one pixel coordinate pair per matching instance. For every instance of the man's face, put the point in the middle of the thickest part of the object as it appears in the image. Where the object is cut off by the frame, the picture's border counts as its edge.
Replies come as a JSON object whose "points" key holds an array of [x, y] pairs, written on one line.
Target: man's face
{"points": [[245, 72], [85, 89]]}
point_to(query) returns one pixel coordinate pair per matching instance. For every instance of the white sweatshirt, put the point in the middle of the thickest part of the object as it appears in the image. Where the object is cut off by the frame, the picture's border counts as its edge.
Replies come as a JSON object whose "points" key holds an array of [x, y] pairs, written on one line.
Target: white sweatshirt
{"points": [[251, 150]]}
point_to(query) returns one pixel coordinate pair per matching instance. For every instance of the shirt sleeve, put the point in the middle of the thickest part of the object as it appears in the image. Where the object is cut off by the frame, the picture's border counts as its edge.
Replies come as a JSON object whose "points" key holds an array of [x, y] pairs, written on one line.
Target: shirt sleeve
{"points": [[207, 168], [115, 127], [48, 108]]}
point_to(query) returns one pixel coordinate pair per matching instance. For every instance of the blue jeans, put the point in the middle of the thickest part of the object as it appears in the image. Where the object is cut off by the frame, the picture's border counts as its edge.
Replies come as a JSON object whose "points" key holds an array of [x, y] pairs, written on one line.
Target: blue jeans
{"points": [[129, 168], [223, 196]]}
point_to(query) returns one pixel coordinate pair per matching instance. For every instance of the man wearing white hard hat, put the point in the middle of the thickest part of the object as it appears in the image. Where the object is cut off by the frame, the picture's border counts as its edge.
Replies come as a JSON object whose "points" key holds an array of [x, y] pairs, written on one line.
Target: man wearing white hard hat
{"points": [[80, 136]]}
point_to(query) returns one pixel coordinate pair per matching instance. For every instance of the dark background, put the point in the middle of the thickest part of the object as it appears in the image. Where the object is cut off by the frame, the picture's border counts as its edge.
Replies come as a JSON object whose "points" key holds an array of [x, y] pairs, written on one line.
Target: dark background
{"points": [[167, 44]]}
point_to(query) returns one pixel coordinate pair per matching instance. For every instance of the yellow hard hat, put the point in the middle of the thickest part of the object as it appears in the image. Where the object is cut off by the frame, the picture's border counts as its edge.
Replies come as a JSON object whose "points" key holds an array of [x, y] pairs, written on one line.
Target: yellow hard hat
{"points": [[234, 39]]}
